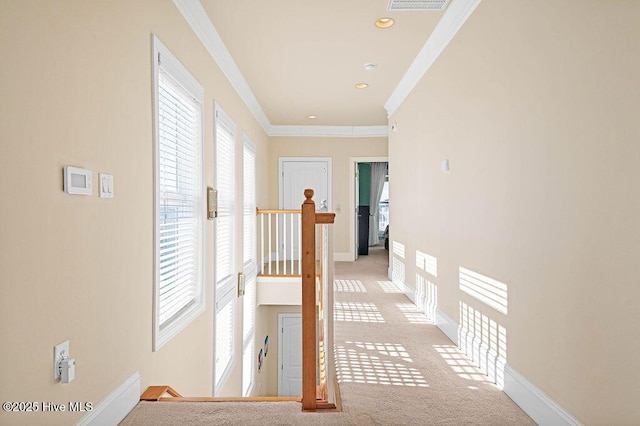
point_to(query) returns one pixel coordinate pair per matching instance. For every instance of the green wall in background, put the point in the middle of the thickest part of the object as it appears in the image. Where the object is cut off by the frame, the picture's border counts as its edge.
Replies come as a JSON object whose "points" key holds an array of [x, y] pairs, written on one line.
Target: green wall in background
{"points": [[364, 174]]}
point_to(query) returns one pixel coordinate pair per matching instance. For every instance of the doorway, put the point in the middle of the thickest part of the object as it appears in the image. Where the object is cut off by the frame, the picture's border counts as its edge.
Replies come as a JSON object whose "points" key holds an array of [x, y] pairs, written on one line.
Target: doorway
{"points": [[370, 203]]}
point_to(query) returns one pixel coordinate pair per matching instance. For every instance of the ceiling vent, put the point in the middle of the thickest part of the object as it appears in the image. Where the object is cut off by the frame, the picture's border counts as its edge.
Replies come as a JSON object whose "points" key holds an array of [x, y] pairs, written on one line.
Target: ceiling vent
{"points": [[417, 4]]}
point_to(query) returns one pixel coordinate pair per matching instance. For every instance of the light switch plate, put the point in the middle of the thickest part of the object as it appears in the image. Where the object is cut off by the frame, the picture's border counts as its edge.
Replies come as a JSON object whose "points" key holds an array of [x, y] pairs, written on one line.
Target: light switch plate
{"points": [[58, 351], [106, 185]]}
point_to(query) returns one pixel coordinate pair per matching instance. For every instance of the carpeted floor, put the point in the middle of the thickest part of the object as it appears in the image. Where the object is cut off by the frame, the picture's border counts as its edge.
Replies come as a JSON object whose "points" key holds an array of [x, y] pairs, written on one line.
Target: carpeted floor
{"points": [[393, 366]]}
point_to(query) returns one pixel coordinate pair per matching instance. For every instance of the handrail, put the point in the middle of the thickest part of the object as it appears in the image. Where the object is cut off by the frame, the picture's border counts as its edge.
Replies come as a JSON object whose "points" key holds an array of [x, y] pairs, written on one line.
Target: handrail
{"points": [[275, 211]]}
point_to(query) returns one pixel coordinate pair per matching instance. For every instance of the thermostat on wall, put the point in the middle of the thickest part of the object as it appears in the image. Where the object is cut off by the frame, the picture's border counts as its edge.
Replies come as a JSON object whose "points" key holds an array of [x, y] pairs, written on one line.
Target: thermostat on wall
{"points": [[77, 181]]}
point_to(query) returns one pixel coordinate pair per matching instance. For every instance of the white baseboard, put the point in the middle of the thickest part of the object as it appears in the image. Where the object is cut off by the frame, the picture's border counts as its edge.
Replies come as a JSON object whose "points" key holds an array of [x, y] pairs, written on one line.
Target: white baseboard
{"points": [[342, 257], [116, 405], [448, 326], [410, 292], [542, 409]]}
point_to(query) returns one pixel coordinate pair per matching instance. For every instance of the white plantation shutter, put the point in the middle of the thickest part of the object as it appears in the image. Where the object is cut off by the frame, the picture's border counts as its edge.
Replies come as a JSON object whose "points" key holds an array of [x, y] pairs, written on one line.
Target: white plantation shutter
{"points": [[179, 222], [250, 266], [225, 183], [225, 246]]}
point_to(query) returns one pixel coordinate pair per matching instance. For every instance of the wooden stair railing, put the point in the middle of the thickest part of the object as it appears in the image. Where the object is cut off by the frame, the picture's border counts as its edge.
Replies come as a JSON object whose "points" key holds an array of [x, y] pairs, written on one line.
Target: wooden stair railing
{"points": [[309, 362]]}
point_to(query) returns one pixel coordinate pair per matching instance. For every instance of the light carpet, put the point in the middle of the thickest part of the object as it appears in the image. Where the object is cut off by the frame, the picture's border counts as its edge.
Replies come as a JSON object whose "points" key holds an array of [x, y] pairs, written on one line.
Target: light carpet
{"points": [[394, 368]]}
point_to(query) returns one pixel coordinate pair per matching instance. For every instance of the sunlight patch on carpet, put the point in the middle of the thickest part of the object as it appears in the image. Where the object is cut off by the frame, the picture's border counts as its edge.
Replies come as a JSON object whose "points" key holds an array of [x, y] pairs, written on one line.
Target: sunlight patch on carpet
{"points": [[356, 364], [357, 312], [460, 364], [349, 286], [389, 287], [413, 315]]}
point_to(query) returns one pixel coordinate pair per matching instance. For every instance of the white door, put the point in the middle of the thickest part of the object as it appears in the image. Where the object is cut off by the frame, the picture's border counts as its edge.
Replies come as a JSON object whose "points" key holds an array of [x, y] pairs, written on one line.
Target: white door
{"points": [[296, 175], [290, 355]]}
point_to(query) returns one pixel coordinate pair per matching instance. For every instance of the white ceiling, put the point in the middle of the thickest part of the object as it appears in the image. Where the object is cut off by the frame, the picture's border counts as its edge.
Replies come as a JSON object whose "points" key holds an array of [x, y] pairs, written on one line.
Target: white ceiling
{"points": [[302, 57]]}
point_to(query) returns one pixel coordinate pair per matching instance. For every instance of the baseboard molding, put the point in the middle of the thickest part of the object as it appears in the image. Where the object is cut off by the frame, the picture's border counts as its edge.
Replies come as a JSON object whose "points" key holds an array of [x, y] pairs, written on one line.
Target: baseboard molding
{"points": [[410, 292], [342, 257], [542, 409], [116, 405], [448, 326]]}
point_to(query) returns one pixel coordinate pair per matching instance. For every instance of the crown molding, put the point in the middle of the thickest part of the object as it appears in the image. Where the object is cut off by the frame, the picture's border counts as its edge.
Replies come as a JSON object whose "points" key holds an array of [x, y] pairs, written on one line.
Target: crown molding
{"points": [[452, 20], [197, 18], [329, 131]]}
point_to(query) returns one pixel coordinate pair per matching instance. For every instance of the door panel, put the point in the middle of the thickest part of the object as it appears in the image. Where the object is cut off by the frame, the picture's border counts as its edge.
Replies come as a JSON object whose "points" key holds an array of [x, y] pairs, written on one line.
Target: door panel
{"points": [[296, 176], [290, 383]]}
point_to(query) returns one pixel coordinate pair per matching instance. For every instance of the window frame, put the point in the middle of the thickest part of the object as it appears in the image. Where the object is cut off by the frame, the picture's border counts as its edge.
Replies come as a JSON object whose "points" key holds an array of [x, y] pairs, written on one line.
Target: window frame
{"points": [[249, 267], [225, 288], [163, 58]]}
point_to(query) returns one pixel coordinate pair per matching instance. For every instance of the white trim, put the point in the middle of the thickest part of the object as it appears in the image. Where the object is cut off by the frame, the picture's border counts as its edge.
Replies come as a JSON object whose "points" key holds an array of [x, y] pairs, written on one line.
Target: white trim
{"points": [[452, 20], [542, 409], [448, 326], [329, 131], [352, 199], [116, 406], [197, 18], [409, 291]]}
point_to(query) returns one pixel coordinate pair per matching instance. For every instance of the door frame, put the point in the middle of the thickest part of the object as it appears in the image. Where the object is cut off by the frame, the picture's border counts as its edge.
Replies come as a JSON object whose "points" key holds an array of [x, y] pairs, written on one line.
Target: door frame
{"points": [[280, 333], [328, 160], [353, 208]]}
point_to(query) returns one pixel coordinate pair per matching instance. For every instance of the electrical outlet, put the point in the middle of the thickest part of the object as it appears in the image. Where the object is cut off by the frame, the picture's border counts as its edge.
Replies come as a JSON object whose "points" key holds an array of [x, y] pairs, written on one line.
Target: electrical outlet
{"points": [[59, 350]]}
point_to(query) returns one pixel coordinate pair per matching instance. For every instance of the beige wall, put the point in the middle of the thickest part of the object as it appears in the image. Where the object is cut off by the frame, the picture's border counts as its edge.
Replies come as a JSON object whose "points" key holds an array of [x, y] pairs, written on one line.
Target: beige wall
{"points": [[76, 90], [340, 150], [535, 104]]}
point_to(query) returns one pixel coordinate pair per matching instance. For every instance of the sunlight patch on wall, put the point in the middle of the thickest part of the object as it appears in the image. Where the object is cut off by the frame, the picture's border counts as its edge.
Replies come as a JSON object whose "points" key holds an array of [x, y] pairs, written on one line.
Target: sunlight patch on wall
{"points": [[427, 263], [356, 363], [489, 291], [463, 366], [484, 341], [397, 273], [357, 312], [426, 297], [389, 287], [349, 286], [398, 249], [413, 314]]}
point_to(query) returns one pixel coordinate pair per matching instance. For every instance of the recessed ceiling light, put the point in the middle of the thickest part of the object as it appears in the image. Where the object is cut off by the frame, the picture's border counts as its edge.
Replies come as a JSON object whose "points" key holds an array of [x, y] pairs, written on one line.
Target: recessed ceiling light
{"points": [[384, 22], [370, 67], [362, 86], [312, 116]]}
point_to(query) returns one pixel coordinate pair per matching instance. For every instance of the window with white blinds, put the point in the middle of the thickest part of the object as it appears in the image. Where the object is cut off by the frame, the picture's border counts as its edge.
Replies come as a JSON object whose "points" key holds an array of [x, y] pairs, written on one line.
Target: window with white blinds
{"points": [[225, 247], [249, 264], [179, 194]]}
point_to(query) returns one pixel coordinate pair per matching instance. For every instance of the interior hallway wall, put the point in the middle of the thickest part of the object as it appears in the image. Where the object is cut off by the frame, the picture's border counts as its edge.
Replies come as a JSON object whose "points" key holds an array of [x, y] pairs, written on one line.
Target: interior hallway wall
{"points": [[535, 104], [76, 90]]}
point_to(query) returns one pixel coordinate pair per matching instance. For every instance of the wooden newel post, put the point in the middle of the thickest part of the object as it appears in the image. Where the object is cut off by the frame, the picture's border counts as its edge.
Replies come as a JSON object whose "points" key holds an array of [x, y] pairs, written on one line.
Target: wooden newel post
{"points": [[308, 302]]}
